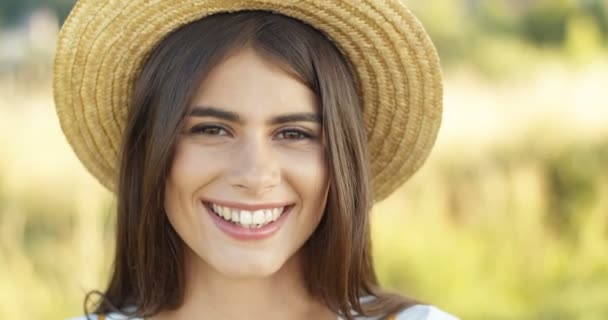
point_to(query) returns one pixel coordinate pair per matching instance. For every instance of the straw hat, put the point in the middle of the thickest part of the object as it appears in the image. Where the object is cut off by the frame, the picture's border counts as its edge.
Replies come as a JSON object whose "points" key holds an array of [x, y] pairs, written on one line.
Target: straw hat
{"points": [[103, 44]]}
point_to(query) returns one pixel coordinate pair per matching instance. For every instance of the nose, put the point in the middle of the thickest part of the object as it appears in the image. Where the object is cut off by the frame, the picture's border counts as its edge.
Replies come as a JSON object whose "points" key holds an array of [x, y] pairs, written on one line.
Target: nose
{"points": [[254, 169]]}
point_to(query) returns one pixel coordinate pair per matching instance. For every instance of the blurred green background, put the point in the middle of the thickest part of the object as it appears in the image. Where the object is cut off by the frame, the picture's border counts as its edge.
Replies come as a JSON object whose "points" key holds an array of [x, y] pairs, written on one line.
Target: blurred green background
{"points": [[508, 219]]}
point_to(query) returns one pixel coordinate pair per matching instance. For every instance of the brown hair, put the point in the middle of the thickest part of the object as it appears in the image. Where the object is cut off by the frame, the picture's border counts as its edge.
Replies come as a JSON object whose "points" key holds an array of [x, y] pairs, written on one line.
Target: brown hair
{"points": [[337, 259]]}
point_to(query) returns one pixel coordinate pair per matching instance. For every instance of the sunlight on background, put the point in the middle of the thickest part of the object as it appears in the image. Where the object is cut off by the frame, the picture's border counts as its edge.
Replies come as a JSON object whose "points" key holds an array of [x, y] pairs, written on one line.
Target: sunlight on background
{"points": [[508, 219]]}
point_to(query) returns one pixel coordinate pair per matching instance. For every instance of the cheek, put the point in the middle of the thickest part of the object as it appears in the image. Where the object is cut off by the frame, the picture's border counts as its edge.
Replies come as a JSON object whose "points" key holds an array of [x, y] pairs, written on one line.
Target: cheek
{"points": [[191, 167], [308, 174], [189, 171]]}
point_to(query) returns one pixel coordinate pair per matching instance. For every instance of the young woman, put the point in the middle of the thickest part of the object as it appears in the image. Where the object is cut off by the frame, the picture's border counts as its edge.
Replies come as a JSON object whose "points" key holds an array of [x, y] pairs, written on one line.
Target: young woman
{"points": [[246, 142]]}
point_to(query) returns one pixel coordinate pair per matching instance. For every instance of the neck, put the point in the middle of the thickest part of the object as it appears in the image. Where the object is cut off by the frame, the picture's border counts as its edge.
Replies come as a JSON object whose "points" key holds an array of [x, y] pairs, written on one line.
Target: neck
{"points": [[212, 295]]}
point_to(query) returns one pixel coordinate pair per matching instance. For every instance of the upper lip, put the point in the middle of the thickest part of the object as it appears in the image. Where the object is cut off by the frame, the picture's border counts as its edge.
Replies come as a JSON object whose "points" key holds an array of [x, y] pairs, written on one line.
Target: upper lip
{"points": [[248, 206]]}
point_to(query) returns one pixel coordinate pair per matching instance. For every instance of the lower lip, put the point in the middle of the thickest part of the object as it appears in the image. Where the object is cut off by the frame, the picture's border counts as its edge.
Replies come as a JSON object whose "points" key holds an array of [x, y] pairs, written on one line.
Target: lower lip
{"points": [[241, 233]]}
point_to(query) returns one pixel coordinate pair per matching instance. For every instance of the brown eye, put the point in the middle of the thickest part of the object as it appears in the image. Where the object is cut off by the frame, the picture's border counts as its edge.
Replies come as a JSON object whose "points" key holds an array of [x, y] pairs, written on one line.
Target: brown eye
{"points": [[209, 130], [293, 134]]}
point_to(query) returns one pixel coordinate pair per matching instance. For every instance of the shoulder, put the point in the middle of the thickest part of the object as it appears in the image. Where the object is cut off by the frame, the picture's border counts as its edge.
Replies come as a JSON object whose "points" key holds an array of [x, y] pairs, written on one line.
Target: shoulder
{"points": [[417, 312], [424, 312], [89, 317], [111, 316]]}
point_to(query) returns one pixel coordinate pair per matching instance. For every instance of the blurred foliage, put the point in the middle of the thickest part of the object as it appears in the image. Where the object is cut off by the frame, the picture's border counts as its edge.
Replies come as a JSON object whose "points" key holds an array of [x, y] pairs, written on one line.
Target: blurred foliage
{"points": [[545, 22], [471, 32], [573, 186], [12, 12], [517, 233]]}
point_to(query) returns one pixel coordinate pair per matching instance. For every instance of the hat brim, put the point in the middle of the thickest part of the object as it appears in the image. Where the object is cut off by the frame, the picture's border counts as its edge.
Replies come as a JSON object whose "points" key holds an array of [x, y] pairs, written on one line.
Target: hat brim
{"points": [[103, 44]]}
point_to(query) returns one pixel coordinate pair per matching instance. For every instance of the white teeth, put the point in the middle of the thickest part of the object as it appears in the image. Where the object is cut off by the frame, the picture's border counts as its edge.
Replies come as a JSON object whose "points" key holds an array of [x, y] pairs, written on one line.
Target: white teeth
{"points": [[258, 217], [267, 215], [275, 213], [247, 218]]}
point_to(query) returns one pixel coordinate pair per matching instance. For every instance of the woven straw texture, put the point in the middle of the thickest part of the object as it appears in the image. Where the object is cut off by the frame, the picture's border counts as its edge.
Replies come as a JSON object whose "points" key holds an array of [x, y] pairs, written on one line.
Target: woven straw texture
{"points": [[103, 44]]}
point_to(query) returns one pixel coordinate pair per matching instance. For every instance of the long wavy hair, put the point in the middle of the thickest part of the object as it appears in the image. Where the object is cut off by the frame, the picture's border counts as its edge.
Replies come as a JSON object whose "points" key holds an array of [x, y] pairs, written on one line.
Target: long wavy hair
{"points": [[337, 260]]}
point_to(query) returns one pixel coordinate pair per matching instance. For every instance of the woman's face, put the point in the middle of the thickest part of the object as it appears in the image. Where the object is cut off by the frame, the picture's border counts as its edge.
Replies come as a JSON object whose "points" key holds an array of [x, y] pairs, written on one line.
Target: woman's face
{"points": [[249, 181]]}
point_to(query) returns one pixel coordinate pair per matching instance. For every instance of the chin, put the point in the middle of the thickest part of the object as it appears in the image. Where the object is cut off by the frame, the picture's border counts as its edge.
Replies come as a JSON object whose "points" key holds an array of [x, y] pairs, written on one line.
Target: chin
{"points": [[251, 269]]}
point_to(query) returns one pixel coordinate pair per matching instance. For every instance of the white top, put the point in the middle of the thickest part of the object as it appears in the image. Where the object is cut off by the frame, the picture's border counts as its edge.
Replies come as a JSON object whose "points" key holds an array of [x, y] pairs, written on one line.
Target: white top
{"points": [[417, 312]]}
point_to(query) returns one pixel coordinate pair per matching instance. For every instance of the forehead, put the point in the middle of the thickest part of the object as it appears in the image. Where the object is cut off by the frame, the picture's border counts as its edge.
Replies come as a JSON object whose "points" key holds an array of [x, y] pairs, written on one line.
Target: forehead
{"points": [[250, 84]]}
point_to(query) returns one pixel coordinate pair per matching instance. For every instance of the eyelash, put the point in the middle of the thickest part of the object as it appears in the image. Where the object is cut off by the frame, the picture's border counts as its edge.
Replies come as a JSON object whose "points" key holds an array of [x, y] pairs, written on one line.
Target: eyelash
{"points": [[201, 130], [302, 134]]}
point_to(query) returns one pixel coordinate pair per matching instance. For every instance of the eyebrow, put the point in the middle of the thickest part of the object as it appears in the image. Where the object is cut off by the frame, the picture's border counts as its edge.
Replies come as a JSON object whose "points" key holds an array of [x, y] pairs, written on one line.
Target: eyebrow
{"points": [[208, 111], [202, 111]]}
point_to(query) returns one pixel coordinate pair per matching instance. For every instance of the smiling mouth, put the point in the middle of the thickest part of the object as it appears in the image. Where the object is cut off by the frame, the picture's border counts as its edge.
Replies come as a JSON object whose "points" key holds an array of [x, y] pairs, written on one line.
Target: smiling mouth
{"points": [[251, 219]]}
